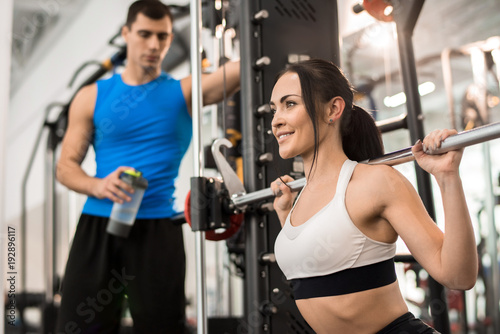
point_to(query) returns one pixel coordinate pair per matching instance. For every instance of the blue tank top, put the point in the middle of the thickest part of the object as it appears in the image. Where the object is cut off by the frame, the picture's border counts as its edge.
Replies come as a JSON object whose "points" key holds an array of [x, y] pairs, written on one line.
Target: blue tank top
{"points": [[147, 127]]}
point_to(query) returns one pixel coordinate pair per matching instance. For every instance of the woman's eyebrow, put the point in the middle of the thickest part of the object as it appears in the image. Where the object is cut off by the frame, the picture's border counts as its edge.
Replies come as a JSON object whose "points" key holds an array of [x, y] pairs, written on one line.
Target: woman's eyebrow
{"points": [[284, 98]]}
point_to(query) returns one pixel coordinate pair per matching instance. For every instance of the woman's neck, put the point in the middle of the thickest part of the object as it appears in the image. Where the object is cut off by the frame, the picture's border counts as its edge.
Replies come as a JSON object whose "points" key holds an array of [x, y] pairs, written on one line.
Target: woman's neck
{"points": [[326, 166]]}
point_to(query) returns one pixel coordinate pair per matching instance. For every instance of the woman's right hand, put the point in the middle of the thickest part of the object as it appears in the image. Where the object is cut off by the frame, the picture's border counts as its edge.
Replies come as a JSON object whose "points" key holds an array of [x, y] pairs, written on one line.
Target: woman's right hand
{"points": [[439, 165], [283, 201]]}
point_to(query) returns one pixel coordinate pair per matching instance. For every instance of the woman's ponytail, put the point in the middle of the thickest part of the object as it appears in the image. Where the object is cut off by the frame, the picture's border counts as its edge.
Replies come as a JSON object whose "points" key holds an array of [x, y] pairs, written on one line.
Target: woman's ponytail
{"points": [[361, 139]]}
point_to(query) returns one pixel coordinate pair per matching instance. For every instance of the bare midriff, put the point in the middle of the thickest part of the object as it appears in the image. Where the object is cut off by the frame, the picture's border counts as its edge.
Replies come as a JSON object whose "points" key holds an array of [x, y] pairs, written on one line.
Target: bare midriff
{"points": [[364, 312]]}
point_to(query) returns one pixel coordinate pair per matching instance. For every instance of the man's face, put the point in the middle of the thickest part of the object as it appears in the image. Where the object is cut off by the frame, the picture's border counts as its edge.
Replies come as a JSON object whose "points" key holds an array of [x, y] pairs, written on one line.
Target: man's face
{"points": [[148, 41]]}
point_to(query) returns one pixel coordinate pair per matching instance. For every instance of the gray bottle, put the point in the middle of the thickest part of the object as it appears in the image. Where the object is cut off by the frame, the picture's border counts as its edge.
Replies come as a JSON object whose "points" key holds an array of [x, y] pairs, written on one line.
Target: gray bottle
{"points": [[123, 214]]}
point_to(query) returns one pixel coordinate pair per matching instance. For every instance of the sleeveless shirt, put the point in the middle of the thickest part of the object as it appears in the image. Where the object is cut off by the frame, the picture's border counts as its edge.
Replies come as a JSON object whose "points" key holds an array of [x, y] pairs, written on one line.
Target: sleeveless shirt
{"points": [[147, 127]]}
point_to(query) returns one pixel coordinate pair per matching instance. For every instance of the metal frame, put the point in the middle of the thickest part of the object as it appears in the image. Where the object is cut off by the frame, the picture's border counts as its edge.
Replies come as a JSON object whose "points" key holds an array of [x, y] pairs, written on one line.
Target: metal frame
{"points": [[477, 52], [260, 304], [255, 285], [197, 104], [405, 14], [273, 33], [50, 247]]}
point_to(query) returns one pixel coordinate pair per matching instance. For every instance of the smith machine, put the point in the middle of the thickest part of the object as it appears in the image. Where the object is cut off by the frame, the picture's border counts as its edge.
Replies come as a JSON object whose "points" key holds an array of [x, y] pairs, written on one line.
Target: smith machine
{"points": [[273, 34]]}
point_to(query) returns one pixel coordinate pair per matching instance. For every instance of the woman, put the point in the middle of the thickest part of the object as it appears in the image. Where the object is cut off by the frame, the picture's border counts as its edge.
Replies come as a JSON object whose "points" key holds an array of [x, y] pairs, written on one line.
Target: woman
{"points": [[337, 242]]}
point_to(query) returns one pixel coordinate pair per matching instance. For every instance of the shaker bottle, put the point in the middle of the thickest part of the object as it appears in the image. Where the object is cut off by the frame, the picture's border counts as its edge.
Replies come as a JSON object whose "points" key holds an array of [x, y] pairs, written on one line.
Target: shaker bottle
{"points": [[123, 214]]}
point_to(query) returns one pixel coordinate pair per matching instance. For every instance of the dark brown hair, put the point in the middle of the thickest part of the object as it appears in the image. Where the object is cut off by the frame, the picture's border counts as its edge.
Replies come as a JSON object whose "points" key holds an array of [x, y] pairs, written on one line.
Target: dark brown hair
{"points": [[154, 9], [321, 81]]}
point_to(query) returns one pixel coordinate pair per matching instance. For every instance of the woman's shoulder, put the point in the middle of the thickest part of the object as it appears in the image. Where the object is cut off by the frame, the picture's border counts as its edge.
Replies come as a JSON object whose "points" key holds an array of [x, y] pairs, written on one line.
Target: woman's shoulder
{"points": [[378, 178], [365, 171], [372, 189]]}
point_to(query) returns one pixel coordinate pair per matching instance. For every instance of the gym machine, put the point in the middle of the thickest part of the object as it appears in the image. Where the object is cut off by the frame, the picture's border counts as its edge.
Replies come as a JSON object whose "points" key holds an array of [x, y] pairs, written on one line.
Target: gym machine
{"points": [[272, 34], [484, 55]]}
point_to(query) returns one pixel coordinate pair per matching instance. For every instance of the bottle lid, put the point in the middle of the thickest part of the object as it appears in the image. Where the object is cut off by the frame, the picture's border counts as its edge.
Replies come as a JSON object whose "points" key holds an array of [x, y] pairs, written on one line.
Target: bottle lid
{"points": [[133, 172], [134, 178]]}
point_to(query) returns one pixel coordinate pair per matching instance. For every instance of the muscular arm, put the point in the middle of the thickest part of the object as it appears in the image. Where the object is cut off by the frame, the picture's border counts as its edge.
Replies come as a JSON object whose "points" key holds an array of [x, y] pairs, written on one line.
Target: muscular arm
{"points": [[212, 84], [76, 143], [450, 257], [74, 149]]}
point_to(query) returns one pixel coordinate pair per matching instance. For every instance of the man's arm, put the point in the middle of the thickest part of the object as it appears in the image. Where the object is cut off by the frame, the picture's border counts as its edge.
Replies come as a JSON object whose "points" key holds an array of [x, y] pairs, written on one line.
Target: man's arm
{"points": [[226, 77], [74, 149]]}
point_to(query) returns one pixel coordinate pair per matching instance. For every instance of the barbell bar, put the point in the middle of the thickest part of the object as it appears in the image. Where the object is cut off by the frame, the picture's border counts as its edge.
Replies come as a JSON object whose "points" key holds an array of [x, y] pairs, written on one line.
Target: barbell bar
{"points": [[460, 140]]}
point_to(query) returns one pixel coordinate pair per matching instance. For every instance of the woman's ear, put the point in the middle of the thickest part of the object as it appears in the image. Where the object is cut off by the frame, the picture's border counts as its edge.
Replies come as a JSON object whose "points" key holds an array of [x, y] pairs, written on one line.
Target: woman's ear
{"points": [[335, 108]]}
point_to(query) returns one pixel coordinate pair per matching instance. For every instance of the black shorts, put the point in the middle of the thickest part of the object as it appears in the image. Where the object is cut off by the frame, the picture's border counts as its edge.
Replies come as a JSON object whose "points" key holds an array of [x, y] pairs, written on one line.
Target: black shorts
{"points": [[147, 268], [407, 324]]}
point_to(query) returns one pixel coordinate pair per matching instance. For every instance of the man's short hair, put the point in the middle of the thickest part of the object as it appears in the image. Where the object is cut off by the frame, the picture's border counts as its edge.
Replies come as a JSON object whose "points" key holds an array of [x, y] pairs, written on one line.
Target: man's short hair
{"points": [[153, 9]]}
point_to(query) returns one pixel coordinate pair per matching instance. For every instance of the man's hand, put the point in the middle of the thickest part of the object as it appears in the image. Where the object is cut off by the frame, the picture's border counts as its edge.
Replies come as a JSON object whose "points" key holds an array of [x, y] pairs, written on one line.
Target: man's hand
{"points": [[113, 188]]}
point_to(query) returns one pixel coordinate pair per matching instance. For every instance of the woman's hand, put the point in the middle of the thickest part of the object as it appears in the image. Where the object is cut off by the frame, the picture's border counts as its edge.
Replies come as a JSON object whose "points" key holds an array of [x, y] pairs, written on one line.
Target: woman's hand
{"points": [[440, 164], [283, 201]]}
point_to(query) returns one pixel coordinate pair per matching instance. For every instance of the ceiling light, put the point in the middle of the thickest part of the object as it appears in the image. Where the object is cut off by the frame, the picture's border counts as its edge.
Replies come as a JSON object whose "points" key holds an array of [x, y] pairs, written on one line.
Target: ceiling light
{"points": [[400, 98]]}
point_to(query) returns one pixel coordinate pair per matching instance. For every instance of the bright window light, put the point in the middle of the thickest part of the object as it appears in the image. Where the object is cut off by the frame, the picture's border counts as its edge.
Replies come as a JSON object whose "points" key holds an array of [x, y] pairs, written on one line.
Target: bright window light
{"points": [[426, 88], [395, 100], [400, 98]]}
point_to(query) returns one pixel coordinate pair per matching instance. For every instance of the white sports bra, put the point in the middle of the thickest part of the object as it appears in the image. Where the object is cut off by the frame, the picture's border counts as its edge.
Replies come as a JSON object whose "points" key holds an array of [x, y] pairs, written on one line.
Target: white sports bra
{"points": [[329, 241]]}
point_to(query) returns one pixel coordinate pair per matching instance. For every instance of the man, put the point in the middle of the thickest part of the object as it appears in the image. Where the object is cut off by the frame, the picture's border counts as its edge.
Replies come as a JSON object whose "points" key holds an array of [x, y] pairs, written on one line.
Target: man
{"points": [[139, 119]]}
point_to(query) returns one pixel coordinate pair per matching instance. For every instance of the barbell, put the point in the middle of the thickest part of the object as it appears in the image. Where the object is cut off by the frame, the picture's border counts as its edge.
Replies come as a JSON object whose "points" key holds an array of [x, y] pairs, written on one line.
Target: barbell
{"points": [[460, 140]]}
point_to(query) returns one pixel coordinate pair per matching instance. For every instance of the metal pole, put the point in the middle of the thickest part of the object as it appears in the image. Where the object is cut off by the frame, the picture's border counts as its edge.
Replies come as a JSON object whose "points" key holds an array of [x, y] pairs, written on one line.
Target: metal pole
{"points": [[405, 15], [448, 84], [50, 233], [24, 219], [492, 240], [48, 226], [256, 288], [5, 61], [496, 59], [393, 123], [196, 107], [480, 72], [463, 139]]}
